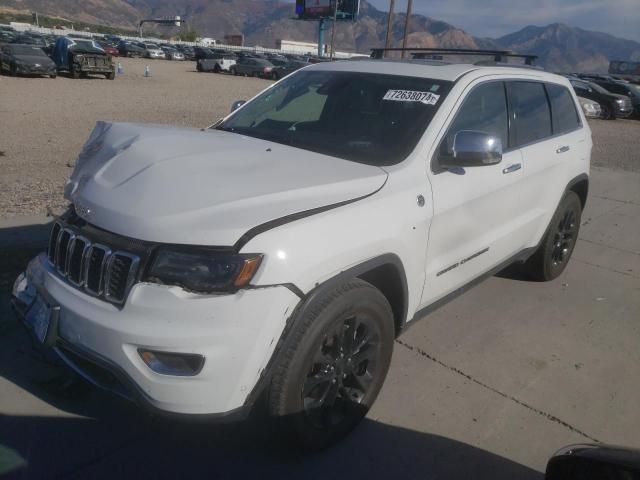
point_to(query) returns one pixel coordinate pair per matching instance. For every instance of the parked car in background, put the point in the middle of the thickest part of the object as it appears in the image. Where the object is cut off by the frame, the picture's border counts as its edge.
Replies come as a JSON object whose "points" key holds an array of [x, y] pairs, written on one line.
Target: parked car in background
{"points": [[204, 52], [151, 50], [623, 88], [613, 105], [171, 53], [130, 49], [253, 67], [109, 48], [286, 67], [220, 64], [18, 59], [81, 57], [590, 108], [30, 39], [187, 51]]}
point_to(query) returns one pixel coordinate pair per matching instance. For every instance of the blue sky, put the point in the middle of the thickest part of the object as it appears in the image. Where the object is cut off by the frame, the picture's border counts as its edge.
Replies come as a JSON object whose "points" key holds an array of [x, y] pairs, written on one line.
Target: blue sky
{"points": [[493, 18]]}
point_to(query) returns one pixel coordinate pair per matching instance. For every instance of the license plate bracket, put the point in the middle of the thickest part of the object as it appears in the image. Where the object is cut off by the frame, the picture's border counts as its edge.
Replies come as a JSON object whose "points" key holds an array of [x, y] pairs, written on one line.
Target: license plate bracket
{"points": [[42, 317]]}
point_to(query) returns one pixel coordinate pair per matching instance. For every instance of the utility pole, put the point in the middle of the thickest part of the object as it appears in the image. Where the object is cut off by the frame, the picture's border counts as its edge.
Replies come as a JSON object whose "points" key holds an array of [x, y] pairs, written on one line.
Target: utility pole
{"points": [[406, 27], [392, 4]]}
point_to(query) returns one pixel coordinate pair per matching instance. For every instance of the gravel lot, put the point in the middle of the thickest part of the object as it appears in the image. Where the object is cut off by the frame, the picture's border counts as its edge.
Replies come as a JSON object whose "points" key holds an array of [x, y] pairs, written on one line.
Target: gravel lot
{"points": [[45, 123]]}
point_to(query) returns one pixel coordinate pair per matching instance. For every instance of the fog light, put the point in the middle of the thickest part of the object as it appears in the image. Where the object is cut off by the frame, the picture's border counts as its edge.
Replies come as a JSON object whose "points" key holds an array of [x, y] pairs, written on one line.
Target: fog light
{"points": [[177, 364]]}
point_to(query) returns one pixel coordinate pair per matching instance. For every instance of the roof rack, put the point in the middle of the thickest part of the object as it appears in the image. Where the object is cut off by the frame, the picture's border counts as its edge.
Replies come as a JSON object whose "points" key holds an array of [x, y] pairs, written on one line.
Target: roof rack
{"points": [[492, 63], [498, 55]]}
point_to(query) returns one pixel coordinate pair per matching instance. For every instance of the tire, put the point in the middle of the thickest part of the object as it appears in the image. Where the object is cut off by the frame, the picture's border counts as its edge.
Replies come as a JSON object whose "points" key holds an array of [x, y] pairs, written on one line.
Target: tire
{"points": [[13, 71], [199, 67], [53, 76], [607, 113], [75, 74], [110, 76], [318, 394], [557, 245], [216, 69], [233, 71]]}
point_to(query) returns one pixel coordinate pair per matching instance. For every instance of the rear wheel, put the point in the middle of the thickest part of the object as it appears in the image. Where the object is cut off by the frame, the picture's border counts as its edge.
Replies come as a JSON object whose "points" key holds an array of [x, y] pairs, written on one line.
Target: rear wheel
{"points": [[233, 71], [558, 243], [334, 365], [216, 69]]}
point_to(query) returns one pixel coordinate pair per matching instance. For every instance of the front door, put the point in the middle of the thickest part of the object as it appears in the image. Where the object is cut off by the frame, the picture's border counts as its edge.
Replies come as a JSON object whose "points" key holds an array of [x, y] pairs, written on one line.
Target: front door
{"points": [[476, 210]]}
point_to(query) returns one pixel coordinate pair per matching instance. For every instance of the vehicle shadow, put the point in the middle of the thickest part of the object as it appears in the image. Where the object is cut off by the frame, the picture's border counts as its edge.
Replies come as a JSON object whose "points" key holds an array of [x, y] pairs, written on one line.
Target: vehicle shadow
{"points": [[131, 446]]}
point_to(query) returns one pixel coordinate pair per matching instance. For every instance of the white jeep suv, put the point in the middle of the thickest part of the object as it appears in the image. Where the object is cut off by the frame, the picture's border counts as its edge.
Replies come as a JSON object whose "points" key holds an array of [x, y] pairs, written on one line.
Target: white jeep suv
{"points": [[276, 255]]}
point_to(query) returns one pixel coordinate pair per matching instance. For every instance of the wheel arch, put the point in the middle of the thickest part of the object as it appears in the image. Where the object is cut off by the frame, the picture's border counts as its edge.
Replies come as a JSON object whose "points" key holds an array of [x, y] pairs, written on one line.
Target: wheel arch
{"points": [[580, 186], [385, 272]]}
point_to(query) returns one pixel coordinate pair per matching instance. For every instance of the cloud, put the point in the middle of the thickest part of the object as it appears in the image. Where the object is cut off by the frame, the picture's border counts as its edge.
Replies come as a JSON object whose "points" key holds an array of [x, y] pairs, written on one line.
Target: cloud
{"points": [[493, 18]]}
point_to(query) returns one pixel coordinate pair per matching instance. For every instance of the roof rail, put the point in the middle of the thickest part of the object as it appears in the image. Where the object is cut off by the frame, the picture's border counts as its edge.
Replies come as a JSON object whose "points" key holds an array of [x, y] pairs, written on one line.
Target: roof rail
{"points": [[493, 63], [498, 55]]}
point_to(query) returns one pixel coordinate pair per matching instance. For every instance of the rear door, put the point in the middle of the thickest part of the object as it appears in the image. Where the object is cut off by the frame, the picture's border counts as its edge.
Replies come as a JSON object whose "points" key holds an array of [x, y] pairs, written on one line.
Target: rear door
{"points": [[547, 128], [476, 223]]}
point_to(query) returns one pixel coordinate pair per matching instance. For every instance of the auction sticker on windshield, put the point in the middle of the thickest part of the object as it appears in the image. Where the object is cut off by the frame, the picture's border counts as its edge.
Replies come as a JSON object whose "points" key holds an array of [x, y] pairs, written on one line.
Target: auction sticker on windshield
{"points": [[427, 98]]}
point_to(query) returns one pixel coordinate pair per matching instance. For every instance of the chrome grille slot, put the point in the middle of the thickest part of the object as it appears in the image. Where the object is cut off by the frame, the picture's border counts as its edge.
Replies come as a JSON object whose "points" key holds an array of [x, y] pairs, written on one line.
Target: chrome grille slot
{"points": [[75, 260], [94, 268], [64, 237], [100, 270], [120, 276], [53, 241]]}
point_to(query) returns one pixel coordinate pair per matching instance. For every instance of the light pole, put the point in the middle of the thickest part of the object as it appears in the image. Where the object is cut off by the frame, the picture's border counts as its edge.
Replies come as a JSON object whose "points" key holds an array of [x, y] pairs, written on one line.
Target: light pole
{"points": [[406, 27], [333, 28], [387, 43]]}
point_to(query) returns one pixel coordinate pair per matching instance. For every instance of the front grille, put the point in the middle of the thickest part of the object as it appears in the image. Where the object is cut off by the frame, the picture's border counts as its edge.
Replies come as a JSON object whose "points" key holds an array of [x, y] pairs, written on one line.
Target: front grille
{"points": [[95, 267]]}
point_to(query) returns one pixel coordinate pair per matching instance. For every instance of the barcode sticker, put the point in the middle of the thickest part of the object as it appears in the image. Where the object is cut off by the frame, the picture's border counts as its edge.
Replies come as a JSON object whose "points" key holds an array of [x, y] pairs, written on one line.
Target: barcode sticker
{"points": [[427, 98]]}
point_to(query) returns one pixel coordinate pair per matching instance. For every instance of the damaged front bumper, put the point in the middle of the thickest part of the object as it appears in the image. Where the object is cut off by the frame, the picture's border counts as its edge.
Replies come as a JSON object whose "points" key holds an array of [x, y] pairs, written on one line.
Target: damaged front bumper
{"points": [[125, 350]]}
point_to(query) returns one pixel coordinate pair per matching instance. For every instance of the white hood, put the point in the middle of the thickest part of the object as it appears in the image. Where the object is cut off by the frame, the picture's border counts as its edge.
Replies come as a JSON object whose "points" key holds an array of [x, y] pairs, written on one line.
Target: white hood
{"points": [[203, 187]]}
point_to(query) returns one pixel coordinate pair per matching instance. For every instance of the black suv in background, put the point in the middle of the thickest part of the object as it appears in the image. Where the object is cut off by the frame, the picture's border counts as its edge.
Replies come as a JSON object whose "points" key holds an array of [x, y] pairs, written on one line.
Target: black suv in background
{"points": [[623, 88], [613, 105]]}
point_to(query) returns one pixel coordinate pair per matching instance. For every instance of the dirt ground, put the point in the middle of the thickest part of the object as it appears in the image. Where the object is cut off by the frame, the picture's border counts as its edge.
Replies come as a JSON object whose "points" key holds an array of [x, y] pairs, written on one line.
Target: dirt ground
{"points": [[45, 122]]}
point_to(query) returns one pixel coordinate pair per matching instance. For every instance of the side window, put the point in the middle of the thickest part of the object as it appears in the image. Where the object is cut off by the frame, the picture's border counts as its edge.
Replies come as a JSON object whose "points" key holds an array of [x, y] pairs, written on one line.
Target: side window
{"points": [[484, 110], [563, 109], [531, 114]]}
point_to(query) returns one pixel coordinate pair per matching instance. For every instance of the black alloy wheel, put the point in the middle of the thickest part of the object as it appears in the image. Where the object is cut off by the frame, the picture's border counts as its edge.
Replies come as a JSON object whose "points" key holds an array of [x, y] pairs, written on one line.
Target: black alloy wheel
{"points": [[332, 364], [341, 371], [564, 238], [556, 247]]}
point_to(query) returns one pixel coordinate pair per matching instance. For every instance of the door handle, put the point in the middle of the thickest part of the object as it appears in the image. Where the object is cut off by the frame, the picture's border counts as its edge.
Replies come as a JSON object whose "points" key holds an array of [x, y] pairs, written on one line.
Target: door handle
{"points": [[514, 167], [566, 148]]}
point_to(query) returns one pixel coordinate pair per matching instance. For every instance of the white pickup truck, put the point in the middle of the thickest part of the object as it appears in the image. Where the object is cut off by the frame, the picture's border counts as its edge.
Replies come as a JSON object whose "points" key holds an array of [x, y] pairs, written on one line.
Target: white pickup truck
{"points": [[277, 255]]}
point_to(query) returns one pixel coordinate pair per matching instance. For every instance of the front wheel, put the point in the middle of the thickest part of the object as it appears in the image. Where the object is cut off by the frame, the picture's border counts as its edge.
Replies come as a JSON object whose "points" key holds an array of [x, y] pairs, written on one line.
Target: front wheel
{"points": [[233, 71], [607, 113], [110, 76], [333, 365], [557, 245]]}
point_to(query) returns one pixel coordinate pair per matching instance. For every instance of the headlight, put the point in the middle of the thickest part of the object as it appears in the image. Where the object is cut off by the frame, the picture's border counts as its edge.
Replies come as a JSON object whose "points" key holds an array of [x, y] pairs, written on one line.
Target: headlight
{"points": [[590, 107], [203, 270], [620, 101]]}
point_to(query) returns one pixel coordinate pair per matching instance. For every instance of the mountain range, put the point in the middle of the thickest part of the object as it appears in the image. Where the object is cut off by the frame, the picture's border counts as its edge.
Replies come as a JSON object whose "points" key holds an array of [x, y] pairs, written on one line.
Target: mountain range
{"points": [[560, 47]]}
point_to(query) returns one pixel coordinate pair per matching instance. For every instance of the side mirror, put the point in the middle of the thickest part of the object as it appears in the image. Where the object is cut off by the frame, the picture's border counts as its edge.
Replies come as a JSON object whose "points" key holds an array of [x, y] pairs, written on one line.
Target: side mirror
{"points": [[472, 149], [594, 462], [237, 104]]}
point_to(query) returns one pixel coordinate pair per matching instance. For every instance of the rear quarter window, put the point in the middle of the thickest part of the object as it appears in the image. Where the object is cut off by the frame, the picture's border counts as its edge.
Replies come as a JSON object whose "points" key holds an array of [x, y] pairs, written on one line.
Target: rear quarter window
{"points": [[563, 109]]}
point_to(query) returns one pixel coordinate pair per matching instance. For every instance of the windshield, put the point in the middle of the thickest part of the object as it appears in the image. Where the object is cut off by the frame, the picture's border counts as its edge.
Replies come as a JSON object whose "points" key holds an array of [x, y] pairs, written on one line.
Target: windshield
{"points": [[26, 50], [152, 46], [369, 118], [598, 88]]}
